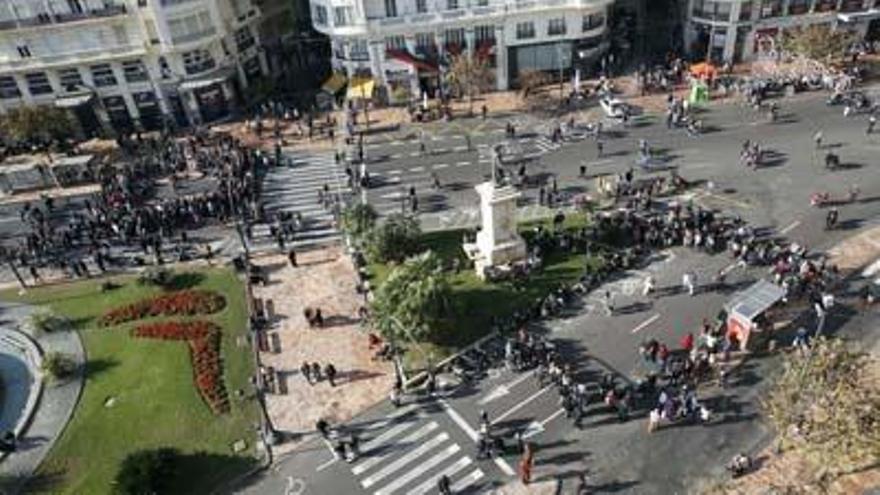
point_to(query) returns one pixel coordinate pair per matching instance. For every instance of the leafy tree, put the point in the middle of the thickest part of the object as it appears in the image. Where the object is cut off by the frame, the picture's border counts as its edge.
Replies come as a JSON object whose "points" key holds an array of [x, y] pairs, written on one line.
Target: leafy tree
{"points": [[413, 297], [359, 219], [826, 405], [147, 472], [817, 42], [394, 239], [37, 123], [470, 76]]}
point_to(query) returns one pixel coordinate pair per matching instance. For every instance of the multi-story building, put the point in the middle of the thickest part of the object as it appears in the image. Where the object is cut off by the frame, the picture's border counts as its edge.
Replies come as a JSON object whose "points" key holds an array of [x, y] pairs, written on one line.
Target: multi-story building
{"points": [[738, 30], [403, 45], [122, 65]]}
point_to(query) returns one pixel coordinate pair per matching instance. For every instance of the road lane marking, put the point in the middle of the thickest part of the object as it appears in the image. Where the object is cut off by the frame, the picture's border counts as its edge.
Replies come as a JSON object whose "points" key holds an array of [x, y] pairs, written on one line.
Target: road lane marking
{"points": [[410, 456], [646, 323], [419, 470], [462, 484], [504, 389], [449, 472], [415, 154], [395, 171], [368, 463], [542, 424], [791, 226], [460, 148], [440, 166], [521, 405], [417, 169], [395, 156], [470, 432], [462, 164]]}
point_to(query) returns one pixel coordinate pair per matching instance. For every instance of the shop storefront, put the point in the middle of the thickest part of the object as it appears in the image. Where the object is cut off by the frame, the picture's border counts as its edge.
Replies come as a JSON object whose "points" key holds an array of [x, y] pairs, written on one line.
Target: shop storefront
{"points": [[148, 108], [117, 111], [545, 57], [211, 102]]}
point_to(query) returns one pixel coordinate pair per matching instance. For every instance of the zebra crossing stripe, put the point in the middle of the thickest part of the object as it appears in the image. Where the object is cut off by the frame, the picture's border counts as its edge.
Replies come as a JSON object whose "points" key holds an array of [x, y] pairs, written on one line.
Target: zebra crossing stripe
{"points": [[419, 470], [388, 435], [365, 466], [449, 472], [411, 456], [467, 481]]}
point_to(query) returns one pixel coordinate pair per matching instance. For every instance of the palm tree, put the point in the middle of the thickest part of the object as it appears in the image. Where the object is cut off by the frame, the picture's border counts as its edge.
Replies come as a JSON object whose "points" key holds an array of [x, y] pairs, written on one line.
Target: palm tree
{"points": [[359, 219]]}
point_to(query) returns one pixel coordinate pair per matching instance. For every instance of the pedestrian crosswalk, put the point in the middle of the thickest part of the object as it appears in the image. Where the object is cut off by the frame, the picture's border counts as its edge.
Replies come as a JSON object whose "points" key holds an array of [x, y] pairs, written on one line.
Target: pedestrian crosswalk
{"points": [[295, 189], [410, 455]]}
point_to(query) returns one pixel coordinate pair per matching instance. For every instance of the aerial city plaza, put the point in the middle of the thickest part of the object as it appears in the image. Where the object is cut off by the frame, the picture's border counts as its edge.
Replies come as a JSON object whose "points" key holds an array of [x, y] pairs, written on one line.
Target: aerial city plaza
{"points": [[407, 247]]}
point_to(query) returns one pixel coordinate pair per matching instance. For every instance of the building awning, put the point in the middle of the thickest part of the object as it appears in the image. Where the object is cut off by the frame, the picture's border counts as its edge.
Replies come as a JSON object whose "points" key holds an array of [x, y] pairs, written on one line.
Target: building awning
{"points": [[859, 16], [755, 299], [334, 83], [73, 100], [208, 80], [360, 88]]}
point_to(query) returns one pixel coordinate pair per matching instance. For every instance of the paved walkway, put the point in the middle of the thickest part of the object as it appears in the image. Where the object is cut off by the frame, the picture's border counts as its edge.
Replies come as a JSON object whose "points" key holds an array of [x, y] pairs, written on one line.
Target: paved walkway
{"points": [[55, 406], [325, 279]]}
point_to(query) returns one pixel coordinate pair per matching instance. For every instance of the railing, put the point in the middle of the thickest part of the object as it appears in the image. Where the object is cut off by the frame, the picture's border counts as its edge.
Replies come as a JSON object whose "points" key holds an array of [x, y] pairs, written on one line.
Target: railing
{"points": [[186, 38], [46, 19], [472, 9]]}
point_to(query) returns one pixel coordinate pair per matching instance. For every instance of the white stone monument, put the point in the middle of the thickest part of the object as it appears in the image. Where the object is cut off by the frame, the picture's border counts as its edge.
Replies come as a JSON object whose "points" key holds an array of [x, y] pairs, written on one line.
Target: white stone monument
{"points": [[498, 242]]}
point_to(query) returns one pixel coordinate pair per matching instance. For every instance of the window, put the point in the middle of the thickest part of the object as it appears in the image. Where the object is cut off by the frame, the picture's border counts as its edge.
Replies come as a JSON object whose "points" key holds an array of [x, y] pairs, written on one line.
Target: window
{"points": [[483, 34], [525, 30], [455, 40], [244, 39], [191, 27], [711, 10], [395, 43], [9, 88], [103, 75], [425, 42], [197, 61], [342, 16], [421, 6], [70, 79], [320, 15], [851, 5], [593, 21], [556, 26], [451, 4], [771, 8], [390, 8], [796, 7], [38, 83], [359, 50], [134, 71], [482, 3], [75, 6], [745, 11], [24, 51]]}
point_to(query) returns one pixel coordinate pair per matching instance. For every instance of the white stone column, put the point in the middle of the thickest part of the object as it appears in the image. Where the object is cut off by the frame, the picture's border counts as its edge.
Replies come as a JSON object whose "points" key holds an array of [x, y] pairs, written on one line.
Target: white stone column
{"points": [[377, 57], [413, 72], [501, 82], [469, 40], [132, 109]]}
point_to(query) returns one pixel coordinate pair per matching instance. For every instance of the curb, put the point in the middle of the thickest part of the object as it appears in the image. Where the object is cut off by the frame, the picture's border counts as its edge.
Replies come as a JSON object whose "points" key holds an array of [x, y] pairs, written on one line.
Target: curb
{"points": [[34, 356]]}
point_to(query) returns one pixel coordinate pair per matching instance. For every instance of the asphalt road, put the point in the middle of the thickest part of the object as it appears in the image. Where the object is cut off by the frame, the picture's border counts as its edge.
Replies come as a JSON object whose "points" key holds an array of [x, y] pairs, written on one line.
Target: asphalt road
{"points": [[619, 457]]}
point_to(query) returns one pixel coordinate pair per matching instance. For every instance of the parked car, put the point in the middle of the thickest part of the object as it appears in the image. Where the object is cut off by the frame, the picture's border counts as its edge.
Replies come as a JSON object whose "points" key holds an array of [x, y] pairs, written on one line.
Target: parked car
{"points": [[613, 107]]}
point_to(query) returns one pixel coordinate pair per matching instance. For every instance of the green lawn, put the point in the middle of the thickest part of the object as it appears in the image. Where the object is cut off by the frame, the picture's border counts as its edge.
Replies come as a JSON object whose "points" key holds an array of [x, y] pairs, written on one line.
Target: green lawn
{"points": [[475, 302], [156, 402]]}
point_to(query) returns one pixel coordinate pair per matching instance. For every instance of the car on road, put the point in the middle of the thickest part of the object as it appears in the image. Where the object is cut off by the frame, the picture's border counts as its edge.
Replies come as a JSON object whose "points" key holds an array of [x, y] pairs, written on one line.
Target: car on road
{"points": [[613, 107]]}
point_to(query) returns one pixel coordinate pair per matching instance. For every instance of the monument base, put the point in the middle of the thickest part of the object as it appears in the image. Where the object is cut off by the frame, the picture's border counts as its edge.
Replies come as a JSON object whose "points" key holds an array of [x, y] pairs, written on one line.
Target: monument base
{"points": [[505, 253]]}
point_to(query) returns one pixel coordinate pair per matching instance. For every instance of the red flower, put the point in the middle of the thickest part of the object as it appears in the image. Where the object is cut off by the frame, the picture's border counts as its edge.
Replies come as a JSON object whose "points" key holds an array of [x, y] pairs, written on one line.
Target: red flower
{"points": [[185, 302]]}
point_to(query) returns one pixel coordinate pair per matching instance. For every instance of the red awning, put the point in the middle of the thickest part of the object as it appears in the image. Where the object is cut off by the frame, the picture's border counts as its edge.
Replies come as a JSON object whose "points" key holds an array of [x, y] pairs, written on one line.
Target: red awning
{"points": [[410, 59]]}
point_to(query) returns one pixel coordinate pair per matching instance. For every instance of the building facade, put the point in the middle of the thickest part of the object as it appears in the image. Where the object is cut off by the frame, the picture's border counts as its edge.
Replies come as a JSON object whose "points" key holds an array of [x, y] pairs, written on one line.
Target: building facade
{"points": [[404, 45], [127, 65], [739, 30]]}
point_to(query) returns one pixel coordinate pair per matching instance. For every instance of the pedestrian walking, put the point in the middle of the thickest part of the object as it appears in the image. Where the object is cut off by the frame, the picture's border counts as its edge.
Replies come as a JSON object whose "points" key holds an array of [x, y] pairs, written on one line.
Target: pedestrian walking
{"points": [[609, 303], [35, 274], [688, 280], [817, 138], [443, 485], [354, 447], [323, 428], [600, 148], [316, 372], [394, 396], [653, 420], [648, 286], [292, 257], [872, 121], [339, 450], [330, 372], [526, 464], [306, 371]]}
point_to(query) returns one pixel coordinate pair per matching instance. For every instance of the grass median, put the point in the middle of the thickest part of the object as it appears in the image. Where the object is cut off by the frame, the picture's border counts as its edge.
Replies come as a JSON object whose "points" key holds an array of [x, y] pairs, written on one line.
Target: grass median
{"points": [[139, 393], [475, 302]]}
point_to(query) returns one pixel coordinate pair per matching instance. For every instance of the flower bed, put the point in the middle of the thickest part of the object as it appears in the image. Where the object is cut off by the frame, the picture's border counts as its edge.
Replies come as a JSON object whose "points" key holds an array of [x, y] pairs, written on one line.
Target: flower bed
{"points": [[185, 302], [203, 338]]}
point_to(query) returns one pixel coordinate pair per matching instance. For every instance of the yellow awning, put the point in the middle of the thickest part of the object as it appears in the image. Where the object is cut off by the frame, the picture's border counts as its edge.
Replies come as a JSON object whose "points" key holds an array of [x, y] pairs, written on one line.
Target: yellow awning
{"points": [[334, 83], [360, 88]]}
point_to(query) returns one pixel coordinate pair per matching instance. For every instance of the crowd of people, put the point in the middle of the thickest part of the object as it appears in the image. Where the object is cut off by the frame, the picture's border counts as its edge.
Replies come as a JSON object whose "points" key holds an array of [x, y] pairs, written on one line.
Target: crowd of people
{"points": [[128, 212]]}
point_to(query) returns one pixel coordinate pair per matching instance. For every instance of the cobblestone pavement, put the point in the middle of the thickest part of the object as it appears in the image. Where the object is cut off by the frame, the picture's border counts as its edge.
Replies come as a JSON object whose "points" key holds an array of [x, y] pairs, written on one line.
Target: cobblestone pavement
{"points": [[325, 279]]}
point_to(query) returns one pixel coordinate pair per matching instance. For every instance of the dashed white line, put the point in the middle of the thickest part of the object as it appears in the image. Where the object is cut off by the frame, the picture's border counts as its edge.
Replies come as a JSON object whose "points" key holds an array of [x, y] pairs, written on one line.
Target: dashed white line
{"points": [[441, 150], [790, 227], [460, 148], [470, 432], [440, 165], [417, 169], [646, 323], [395, 171], [415, 153], [395, 156], [462, 164]]}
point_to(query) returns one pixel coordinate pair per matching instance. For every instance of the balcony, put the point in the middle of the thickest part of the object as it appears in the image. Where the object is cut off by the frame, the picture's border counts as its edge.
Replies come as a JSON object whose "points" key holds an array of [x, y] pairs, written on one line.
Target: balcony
{"points": [[52, 19], [190, 37]]}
